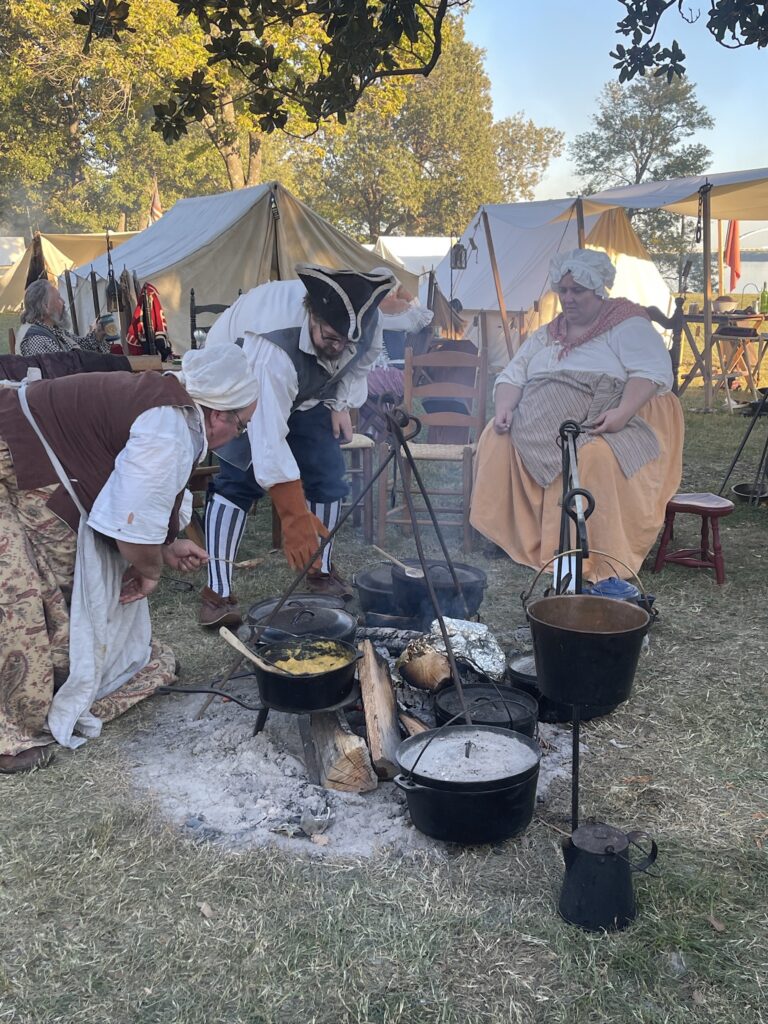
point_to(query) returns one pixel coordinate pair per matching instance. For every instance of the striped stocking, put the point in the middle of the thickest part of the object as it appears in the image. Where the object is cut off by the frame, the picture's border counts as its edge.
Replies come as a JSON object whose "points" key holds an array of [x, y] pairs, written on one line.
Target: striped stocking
{"points": [[224, 525], [328, 513]]}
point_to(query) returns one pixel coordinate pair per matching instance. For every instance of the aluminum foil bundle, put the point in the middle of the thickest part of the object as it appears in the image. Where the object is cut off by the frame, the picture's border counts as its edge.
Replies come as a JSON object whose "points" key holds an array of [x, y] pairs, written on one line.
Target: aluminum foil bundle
{"points": [[473, 643]]}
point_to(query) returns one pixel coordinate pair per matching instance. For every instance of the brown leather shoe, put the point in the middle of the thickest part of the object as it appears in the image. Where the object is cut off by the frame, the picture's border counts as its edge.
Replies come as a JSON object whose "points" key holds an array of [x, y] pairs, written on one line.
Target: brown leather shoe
{"points": [[216, 610], [329, 583], [34, 757]]}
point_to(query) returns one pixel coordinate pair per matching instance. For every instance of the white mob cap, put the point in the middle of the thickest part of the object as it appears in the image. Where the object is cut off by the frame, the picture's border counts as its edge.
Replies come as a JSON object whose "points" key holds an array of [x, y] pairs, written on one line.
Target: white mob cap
{"points": [[588, 267], [218, 377]]}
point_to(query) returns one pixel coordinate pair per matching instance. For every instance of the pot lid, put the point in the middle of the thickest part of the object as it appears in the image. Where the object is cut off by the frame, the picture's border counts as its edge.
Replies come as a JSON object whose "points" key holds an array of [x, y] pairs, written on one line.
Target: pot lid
{"points": [[301, 617], [440, 574], [497, 705], [600, 839], [623, 590], [466, 754], [377, 578]]}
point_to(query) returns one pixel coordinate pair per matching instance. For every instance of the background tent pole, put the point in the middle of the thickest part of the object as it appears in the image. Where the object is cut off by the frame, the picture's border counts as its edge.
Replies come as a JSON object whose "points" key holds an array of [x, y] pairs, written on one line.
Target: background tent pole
{"points": [[706, 225], [581, 237], [720, 268], [497, 283]]}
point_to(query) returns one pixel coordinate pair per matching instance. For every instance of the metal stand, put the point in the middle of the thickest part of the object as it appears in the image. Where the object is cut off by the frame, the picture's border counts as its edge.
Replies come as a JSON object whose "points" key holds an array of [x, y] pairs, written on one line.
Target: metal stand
{"points": [[762, 469], [573, 510]]}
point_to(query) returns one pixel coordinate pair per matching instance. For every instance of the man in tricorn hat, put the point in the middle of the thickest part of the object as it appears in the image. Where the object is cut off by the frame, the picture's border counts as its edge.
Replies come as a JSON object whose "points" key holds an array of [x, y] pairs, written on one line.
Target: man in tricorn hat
{"points": [[310, 343]]}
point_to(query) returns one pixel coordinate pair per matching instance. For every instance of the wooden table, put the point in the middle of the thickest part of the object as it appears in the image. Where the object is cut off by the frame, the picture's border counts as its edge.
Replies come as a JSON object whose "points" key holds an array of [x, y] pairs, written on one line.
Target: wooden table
{"points": [[745, 344]]}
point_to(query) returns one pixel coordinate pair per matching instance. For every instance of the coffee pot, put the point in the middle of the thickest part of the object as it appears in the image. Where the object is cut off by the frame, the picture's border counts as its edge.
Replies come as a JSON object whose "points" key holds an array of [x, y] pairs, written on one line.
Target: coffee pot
{"points": [[597, 890]]}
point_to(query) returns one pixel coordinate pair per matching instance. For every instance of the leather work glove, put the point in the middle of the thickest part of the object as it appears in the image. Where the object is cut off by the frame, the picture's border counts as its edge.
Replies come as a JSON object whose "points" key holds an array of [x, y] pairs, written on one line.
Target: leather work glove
{"points": [[301, 529]]}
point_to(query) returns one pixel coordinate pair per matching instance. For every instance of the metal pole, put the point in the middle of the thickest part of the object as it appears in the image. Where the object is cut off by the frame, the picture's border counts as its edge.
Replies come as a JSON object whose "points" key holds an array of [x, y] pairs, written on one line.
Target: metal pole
{"points": [[580, 235], [497, 283], [707, 247], [575, 769]]}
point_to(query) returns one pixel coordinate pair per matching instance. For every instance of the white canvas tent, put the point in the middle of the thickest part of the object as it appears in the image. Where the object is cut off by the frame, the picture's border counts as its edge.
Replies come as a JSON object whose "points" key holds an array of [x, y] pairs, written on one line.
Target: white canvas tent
{"points": [[732, 195], [525, 237], [224, 243], [54, 254], [417, 253]]}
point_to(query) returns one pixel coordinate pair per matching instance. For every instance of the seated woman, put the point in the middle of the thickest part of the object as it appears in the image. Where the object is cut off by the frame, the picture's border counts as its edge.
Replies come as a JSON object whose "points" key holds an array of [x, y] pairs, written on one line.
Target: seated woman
{"points": [[601, 363]]}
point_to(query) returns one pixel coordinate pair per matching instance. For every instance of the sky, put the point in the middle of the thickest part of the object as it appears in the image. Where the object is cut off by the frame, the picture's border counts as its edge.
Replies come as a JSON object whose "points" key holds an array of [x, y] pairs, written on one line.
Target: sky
{"points": [[550, 59]]}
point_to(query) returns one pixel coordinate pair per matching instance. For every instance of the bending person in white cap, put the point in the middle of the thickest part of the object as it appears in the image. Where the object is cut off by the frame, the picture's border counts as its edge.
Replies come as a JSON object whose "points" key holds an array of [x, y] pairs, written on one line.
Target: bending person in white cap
{"points": [[93, 470], [311, 344]]}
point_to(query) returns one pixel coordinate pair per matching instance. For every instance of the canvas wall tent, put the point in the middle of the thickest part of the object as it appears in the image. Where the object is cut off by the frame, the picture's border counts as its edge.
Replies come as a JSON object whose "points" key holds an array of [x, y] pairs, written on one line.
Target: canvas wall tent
{"points": [[525, 237], [224, 243], [417, 253], [52, 254]]}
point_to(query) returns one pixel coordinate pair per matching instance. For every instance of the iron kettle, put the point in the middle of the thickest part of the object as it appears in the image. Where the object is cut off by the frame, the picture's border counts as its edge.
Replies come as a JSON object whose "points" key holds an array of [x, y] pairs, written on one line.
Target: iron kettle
{"points": [[597, 890]]}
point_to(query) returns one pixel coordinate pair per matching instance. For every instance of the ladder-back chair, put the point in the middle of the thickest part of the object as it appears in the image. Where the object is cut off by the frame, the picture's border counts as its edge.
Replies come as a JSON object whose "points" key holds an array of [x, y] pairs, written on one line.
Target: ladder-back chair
{"points": [[438, 404]]}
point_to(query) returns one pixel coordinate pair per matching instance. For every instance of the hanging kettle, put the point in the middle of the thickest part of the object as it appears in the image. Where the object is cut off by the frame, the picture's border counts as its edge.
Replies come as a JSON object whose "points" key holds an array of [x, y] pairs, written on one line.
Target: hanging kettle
{"points": [[597, 890]]}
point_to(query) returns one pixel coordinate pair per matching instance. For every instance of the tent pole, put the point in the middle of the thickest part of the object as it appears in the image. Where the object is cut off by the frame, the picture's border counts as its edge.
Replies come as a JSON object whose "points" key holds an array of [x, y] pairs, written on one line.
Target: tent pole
{"points": [[581, 237], [706, 224], [720, 268], [497, 283]]}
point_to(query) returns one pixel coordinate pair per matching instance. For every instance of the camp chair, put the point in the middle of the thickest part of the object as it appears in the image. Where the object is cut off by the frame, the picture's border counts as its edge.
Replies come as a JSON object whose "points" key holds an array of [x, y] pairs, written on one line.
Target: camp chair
{"points": [[450, 503]]}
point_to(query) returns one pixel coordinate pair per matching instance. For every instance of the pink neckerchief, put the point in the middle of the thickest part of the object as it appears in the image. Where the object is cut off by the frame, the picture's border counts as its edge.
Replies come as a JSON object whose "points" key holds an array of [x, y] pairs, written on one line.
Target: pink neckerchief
{"points": [[614, 311]]}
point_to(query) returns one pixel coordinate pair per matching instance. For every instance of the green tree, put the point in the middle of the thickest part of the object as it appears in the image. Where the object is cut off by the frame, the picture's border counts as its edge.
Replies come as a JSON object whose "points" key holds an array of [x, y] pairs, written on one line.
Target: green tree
{"points": [[640, 134], [420, 157], [357, 44], [731, 23]]}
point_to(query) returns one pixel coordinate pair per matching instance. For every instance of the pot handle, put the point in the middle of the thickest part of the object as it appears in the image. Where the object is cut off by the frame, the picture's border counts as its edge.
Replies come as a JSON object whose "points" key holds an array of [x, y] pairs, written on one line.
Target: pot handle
{"points": [[525, 596], [208, 689], [403, 782], [645, 863]]}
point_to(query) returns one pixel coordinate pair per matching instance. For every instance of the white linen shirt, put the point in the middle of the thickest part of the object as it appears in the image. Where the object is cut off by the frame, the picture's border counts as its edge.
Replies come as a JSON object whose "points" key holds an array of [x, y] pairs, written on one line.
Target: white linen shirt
{"points": [[631, 349], [279, 305], [164, 446]]}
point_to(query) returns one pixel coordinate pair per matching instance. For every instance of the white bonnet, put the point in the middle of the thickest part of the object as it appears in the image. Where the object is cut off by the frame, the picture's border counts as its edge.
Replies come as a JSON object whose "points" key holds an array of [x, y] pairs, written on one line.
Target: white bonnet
{"points": [[588, 267], [218, 377]]}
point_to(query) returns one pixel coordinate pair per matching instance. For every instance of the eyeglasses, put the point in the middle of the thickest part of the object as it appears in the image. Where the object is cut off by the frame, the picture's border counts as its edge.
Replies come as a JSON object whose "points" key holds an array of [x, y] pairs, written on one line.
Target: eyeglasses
{"points": [[331, 340], [241, 427]]}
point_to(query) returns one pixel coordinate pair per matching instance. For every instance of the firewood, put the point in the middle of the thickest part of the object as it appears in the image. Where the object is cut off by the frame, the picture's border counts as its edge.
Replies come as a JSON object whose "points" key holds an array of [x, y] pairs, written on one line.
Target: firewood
{"points": [[380, 710], [412, 725], [342, 758]]}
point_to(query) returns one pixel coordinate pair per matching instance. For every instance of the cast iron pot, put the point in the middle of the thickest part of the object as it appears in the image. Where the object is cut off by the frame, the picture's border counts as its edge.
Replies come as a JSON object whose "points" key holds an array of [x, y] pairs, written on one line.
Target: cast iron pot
{"points": [[502, 706], [374, 588], [487, 811], [411, 596], [316, 615], [521, 672], [586, 648], [312, 691]]}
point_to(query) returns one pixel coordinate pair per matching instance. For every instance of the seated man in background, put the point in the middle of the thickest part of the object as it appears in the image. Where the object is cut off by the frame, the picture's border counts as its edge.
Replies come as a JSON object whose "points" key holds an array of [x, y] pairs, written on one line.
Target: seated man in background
{"points": [[602, 364], [44, 325]]}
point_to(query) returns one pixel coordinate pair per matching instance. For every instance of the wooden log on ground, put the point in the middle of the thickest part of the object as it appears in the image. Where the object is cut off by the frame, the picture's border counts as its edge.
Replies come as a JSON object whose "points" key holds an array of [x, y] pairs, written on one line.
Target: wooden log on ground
{"points": [[380, 708], [343, 760], [412, 725]]}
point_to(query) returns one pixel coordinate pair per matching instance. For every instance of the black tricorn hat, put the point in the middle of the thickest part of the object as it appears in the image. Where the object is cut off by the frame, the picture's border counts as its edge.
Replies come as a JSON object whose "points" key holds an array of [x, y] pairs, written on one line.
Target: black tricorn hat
{"points": [[345, 299]]}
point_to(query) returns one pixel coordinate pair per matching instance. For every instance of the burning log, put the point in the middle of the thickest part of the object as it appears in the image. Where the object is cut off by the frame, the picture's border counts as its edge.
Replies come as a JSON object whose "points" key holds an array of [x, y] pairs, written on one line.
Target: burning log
{"points": [[380, 712], [412, 725], [342, 758]]}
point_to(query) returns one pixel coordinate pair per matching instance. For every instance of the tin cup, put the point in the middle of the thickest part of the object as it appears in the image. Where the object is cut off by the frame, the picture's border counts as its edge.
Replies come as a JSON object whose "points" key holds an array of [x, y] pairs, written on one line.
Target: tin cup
{"points": [[111, 331]]}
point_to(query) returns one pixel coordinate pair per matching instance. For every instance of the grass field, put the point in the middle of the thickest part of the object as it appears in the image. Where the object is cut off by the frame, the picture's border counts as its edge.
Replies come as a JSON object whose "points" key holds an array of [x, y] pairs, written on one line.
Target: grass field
{"points": [[100, 900]]}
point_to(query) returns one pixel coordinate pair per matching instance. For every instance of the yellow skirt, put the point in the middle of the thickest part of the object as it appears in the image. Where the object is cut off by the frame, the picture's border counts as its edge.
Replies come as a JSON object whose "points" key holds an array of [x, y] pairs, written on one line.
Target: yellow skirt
{"points": [[510, 508]]}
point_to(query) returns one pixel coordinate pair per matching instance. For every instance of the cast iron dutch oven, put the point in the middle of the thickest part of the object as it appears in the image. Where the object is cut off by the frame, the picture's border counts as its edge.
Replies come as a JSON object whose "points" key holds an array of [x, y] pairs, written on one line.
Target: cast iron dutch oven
{"points": [[503, 706], [489, 807], [411, 595], [312, 690], [305, 615], [521, 672]]}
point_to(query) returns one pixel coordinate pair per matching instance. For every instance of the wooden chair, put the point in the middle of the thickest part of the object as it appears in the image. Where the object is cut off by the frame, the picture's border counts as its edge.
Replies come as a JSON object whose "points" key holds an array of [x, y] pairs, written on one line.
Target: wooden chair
{"points": [[194, 309], [198, 485], [11, 341], [451, 504]]}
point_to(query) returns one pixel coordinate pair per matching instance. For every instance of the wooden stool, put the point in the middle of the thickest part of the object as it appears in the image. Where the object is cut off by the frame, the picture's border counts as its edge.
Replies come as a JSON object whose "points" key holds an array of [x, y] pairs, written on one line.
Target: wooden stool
{"points": [[710, 507]]}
